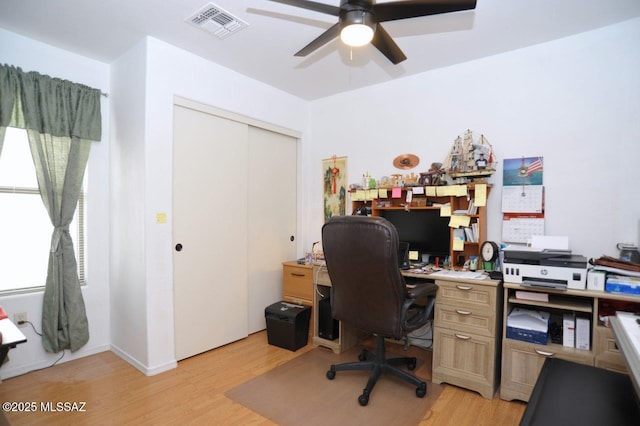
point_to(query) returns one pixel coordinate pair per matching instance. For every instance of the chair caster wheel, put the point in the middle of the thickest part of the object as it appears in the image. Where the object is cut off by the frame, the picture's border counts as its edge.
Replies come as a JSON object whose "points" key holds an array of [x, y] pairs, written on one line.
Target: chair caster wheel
{"points": [[363, 400], [411, 364], [362, 356], [421, 390], [331, 374]]}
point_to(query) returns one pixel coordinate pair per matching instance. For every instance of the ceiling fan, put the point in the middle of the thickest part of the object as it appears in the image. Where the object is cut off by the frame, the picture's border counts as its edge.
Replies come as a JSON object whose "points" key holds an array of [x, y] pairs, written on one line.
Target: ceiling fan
{"points": [[358, 21]]}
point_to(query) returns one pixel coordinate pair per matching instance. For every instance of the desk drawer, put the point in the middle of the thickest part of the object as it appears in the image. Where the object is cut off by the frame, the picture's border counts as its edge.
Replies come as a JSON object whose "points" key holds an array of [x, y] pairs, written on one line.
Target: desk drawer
{"points": [[297, 283], [465, 360], [522, 362], [456, 293], [608, 355], [606, 342], [466, 318]]}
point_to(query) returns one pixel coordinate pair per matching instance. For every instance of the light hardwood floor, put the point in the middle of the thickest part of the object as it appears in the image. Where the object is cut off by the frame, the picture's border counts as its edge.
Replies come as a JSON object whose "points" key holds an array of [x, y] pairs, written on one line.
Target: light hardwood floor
{"points": [[193, 393]]}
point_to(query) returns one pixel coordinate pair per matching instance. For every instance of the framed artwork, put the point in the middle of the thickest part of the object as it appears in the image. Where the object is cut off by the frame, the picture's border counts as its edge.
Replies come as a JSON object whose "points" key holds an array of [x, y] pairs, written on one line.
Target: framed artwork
{"points": [[522, 171], [334, 178]]}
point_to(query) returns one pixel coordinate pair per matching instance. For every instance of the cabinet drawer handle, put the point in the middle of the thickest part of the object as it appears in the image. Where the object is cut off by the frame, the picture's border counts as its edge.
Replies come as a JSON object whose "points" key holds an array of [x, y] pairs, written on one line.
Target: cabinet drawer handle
{"points": [[544, 353], [463, 337], [463, 287], [463, 312], [297, 275]]}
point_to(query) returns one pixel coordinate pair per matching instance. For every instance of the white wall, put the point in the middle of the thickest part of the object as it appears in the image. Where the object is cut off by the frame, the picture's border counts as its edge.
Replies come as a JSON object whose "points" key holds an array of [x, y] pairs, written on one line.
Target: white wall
{"points": [[574, 101], [128, 173], [145, 264], [34, 56]]}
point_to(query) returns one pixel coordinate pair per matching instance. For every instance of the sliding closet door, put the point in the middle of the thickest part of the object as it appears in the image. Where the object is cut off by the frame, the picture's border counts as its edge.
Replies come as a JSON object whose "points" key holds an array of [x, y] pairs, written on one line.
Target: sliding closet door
{"points": [[272, 217], [210, 174]]}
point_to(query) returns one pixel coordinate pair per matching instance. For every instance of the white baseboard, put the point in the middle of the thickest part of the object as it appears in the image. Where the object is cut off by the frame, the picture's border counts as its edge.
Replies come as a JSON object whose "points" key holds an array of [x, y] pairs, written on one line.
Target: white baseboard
{"points": [[8, 372], [144, 369]]}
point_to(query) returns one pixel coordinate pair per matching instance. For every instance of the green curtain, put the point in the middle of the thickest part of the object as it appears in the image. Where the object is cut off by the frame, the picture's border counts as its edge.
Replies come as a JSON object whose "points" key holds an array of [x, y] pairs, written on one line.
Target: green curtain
{"points": [[9, 101], [61, 119], [3, 130]]}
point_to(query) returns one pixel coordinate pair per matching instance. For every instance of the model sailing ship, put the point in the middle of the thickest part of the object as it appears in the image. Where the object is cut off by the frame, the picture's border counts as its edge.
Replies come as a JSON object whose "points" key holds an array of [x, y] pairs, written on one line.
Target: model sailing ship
{"points": [[470, 158]]}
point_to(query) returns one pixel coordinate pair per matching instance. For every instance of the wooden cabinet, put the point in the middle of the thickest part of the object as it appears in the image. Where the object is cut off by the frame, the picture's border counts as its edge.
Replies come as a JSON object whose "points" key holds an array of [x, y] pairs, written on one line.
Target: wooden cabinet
{"points": [[297, 283], [522, 361], [466, 334], [297, 286], [457, 197]]}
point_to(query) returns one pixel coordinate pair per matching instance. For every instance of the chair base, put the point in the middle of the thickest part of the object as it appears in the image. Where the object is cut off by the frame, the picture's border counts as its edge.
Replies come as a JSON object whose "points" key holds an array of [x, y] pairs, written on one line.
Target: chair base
{"points": [[378, 364]]}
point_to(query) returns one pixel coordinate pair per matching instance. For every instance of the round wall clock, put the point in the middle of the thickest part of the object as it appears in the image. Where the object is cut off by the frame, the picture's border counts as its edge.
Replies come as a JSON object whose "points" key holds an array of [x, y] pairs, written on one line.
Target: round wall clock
{"points": [[489, 251]]}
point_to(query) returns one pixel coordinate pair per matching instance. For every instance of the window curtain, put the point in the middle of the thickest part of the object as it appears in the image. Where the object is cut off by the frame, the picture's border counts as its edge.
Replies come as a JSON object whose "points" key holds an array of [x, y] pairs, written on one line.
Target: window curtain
{"points": [[61, 119], [9, 101]]}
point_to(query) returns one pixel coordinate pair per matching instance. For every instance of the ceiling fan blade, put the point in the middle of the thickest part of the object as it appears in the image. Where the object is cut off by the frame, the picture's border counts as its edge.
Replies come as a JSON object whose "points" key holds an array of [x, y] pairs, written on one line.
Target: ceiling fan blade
{"points": [[323, 39], [412, 9], [312, 5], [385, 44]]}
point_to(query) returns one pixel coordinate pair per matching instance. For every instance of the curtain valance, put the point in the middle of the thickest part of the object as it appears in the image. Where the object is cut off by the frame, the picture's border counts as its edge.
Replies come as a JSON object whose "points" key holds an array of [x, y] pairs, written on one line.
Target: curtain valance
{"points": [[61, 108]]}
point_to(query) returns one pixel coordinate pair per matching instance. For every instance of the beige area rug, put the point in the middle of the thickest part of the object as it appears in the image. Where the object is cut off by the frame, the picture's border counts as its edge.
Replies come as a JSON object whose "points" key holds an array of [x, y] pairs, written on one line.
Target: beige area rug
{"points": [[299, 393]]}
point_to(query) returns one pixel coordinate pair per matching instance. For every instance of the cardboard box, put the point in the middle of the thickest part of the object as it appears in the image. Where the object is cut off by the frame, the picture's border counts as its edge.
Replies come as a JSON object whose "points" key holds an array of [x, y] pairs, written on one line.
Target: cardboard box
{"points": [[583, 333], [528, 325], [568, 330]]}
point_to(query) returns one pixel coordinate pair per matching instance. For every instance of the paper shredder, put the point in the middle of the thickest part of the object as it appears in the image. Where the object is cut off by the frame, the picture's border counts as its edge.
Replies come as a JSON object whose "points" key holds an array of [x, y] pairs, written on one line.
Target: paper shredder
{"points": [[287, 325]]}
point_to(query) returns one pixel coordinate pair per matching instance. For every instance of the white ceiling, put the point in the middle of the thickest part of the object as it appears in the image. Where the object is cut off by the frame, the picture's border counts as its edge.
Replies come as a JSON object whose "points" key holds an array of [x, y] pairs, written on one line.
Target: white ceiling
{"points": [[104, 30]]}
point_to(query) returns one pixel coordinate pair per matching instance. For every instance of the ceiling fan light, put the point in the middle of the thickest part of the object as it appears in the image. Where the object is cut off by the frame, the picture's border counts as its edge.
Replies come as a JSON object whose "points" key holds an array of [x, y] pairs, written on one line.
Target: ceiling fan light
{"points": [[356, 35]]}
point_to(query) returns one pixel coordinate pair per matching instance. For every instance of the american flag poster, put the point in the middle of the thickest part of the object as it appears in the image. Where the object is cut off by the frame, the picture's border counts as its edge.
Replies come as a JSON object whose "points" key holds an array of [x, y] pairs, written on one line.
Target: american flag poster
{"points": [[523, 171]]}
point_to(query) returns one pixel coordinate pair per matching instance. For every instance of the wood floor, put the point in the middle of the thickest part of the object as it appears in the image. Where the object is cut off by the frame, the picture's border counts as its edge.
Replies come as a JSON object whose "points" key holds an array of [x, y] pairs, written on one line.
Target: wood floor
{"points": [[113, 392]]}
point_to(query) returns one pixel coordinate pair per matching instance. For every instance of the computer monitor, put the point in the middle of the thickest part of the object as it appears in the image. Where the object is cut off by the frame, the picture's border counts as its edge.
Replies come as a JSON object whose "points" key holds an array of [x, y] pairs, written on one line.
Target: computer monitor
{"points": [[424, 230]]}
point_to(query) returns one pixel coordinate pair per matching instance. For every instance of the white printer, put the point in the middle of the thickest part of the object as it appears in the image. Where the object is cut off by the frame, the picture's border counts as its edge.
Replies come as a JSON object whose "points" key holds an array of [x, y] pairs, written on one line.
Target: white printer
{"points": [[544, 268]]}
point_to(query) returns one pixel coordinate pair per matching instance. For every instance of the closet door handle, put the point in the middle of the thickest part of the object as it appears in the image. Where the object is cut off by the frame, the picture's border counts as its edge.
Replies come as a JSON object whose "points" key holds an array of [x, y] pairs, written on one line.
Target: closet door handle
{"points": [[178, 247]]}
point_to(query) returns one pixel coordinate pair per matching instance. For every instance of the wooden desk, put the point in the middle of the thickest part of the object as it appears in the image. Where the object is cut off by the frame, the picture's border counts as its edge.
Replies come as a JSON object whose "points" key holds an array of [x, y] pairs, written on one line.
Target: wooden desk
{"points": [[466, 327], [11, 336]]}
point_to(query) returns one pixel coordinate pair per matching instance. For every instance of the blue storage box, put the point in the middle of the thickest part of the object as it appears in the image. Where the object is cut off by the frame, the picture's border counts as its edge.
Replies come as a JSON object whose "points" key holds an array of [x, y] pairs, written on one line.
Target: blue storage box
{"points": [[528, 325], [622, 284]]}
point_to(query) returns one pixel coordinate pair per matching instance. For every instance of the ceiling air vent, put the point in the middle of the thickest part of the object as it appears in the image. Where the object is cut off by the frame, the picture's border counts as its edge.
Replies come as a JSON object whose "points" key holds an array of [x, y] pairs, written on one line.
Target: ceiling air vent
{"points": [[217, 21]]}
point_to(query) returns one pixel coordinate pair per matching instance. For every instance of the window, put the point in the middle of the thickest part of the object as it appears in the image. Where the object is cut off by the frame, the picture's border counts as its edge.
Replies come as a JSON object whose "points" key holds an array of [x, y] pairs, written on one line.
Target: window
{"points": [[25, 228]]}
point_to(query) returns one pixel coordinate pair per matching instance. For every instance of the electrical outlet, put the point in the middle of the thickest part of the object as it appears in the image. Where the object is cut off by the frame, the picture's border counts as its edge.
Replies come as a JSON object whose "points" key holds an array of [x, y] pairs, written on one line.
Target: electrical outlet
{"points": [[22, 316]]}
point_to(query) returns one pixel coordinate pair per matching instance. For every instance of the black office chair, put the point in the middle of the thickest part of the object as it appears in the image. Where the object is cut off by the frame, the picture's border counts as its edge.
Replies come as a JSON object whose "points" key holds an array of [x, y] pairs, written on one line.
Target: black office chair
{"points": [[369, 293]]}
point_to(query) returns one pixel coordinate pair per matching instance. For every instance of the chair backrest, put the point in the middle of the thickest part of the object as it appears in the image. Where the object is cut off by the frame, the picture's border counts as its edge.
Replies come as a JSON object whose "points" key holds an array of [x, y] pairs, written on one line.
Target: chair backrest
{"points": [[368, 290]]}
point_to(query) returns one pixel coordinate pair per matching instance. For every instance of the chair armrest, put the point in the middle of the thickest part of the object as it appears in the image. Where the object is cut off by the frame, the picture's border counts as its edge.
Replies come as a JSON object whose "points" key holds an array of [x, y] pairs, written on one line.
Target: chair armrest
{"points": [[418, 306], [420, 291]]}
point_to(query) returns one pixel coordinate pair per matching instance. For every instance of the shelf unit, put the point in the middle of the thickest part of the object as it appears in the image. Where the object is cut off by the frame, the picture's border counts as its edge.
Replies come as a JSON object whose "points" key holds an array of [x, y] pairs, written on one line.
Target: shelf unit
{"points": [[522, 361], [421, 201]]}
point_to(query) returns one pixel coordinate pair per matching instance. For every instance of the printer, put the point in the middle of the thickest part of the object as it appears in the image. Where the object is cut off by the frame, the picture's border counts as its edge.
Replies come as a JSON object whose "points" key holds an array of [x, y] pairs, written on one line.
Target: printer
{"points": [[544, 268]]}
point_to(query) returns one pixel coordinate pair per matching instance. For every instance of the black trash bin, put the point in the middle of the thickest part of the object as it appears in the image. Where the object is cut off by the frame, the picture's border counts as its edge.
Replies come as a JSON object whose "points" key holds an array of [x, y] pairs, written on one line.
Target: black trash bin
{"points": [[287, 325]]}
